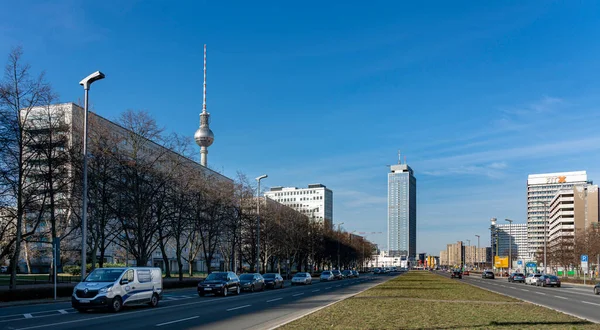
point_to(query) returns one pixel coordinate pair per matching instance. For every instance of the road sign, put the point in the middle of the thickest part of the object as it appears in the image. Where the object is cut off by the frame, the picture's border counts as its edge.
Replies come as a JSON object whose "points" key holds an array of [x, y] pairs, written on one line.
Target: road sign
{"points": [[519, 262], [530, 264], [501, 262], [584, 262]]}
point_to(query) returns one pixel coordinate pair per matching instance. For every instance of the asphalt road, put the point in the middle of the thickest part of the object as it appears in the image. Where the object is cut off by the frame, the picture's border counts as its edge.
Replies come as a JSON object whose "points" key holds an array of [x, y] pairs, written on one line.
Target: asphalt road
{"points": [[576, 300], [186, 310]]}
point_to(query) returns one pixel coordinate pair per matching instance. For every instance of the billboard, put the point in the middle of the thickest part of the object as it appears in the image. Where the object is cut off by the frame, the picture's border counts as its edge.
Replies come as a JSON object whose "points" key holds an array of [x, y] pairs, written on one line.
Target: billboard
{"points": [[554, 178], [501, 262]]}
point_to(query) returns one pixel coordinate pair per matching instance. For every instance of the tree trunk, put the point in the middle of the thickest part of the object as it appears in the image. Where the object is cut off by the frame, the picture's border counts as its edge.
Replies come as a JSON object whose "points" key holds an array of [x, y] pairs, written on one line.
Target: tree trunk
{"points": [[165, 258], [27, 260]]}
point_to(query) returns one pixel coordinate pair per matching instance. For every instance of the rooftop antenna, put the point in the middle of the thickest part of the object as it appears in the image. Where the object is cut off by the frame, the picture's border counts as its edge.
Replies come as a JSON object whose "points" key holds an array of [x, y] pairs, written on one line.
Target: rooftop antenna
{"points": [[404, 159], [399, 158]]}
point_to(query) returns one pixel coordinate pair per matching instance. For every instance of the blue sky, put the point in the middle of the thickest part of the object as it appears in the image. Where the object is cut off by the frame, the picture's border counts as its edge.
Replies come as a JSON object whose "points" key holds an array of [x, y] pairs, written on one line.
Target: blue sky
{"points": [[477, 95]]}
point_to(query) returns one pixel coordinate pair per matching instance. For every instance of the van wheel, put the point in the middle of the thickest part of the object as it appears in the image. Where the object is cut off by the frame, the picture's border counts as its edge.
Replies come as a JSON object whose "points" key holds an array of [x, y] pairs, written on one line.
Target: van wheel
{"points": [[154, 300], [116, 305]]}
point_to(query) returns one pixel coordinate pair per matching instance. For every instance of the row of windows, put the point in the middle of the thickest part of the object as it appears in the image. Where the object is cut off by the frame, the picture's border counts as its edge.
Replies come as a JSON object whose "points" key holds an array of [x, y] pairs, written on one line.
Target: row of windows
{"points": [[301, 199], [298, 192]]}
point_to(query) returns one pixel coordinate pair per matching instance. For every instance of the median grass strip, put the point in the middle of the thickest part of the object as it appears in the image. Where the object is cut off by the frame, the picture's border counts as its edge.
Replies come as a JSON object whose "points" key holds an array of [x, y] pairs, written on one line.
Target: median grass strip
{"points": [[422, 300]]}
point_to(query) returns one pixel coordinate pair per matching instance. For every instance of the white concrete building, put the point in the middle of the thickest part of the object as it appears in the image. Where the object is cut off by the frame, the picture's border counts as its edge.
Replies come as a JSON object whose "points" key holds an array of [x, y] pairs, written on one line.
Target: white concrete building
{"points": [[571, 210], [541, 188], [316, 201], [505, 237]]}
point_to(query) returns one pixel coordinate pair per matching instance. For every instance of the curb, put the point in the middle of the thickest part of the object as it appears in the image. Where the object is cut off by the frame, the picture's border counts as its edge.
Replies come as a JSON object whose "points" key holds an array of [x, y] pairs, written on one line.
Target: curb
{"points": [[330, 304]]}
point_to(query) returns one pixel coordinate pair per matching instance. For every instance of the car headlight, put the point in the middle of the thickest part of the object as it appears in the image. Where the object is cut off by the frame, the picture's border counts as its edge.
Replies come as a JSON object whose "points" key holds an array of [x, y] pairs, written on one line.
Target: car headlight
{"points": [[106, 289]]}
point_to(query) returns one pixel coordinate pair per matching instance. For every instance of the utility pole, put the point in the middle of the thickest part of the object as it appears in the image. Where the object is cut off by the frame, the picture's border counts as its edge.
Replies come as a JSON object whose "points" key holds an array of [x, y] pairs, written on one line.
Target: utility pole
{"points": [[510, 243], [476, 252]]}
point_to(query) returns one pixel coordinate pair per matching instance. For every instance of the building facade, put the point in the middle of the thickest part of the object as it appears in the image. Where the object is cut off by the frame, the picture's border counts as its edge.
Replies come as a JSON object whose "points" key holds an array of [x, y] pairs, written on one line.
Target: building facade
{"points": [[570, 211], [402, 211], [541, 189], [514, 237], [316, 201]]}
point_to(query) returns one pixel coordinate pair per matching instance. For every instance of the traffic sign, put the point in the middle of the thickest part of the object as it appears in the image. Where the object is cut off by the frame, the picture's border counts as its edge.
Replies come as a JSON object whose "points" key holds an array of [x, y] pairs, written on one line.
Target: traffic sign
{"points": [[519, 262], [530, 264], [584, 258], [584, 262]]}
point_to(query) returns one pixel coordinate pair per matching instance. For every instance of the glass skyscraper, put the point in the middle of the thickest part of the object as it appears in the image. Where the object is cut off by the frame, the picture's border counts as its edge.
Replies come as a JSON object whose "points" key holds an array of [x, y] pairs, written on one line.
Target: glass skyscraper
{"points": [[402, 212]]}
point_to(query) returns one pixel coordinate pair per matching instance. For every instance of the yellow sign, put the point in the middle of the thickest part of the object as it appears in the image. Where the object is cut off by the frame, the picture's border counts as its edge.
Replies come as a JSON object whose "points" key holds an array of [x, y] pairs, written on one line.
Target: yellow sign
{"points": [[501, 262]]}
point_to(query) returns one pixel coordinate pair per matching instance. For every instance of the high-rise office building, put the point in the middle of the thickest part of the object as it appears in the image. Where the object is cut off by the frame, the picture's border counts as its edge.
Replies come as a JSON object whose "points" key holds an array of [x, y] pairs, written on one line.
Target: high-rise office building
{"points": [[541, 188], [402, 211], [571, 210], [316, 201], [510, 236]]}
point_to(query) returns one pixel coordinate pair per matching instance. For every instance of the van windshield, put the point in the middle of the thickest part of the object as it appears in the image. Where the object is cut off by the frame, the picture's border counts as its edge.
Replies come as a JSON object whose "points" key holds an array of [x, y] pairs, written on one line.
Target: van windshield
{"points": [[104, 275]]}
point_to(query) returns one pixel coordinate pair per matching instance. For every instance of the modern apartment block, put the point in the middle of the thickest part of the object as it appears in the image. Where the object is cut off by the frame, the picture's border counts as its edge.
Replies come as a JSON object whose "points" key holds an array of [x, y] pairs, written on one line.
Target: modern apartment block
{"points": [[402, 211], [505, 237], [541, 189], [571, 210], [316, 201]]}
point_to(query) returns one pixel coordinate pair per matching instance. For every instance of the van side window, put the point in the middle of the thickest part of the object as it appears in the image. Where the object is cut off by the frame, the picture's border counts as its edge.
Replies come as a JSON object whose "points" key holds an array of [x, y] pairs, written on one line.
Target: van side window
{"points": [[128, 276], [144, 276]]}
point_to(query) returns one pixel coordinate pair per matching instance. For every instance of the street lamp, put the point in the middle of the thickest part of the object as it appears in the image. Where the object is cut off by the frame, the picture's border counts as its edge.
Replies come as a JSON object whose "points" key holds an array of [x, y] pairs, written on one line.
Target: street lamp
{"points": [[545, 230], [468, 240], [510, 243], [338, 239], [258, 222], [86, 83], [476, 252]]}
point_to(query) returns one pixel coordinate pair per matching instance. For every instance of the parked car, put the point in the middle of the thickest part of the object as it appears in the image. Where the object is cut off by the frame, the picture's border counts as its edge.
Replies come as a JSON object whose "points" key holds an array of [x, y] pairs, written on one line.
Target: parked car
{"points": [[456, 274], [597, 288], [356, 273], [347, 274], [273, 280], [466, 273], [548, 280], [488, 274], [531, 279], [114, 288], [377, 271], [337, 274], [326, 276], [252, 282], [516, 277], [302, 278], [222, 283], [3, 269]]}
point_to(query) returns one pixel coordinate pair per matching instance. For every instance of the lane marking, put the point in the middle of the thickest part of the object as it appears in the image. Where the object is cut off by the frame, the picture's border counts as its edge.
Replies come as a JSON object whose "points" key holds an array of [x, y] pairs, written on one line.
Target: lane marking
{"points": [[562, 297], [170, 298], [272, 300], [62, 311], [182, 320], [239, 307], [543, 294], [590, 303], [525, 290], [297, 294], [28, 316], [316, 290]]}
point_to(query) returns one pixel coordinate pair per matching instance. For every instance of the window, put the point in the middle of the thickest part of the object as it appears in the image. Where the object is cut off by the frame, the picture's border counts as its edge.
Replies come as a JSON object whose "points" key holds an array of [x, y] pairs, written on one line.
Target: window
{"points": [[144, 276]]}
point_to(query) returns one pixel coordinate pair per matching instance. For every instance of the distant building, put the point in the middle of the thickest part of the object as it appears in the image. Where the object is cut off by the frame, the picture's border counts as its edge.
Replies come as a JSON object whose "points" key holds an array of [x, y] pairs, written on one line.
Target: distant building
{"points": [[444, 258], [402, 211], [572, 210], [316, 201], [541, 189], [508, 236]]}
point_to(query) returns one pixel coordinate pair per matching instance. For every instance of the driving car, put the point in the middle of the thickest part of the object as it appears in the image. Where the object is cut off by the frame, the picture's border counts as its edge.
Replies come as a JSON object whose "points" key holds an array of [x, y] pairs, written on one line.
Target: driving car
{"points": [[347, 273], [488, 274], [252, 282], [531, 279], [456, 274], [548, 280], [355, 272], [516, 277], [273, 280], [377, 271], [466, 273], [597, 288], [222, 283], [337, 274], [302, 278], [326, 276]]}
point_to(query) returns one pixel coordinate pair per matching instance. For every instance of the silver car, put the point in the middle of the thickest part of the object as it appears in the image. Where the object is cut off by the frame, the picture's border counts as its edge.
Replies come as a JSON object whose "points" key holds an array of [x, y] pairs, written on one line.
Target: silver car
{"points": [[302, 278], [326, 276]]}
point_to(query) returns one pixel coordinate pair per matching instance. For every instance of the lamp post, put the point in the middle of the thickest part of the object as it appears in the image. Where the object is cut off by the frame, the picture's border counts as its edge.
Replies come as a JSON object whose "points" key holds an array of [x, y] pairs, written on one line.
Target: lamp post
{"points": [[338, 249], [86, 83], [469, 241], [510, 243], [258, 222], [476, 252], [545, 230]]}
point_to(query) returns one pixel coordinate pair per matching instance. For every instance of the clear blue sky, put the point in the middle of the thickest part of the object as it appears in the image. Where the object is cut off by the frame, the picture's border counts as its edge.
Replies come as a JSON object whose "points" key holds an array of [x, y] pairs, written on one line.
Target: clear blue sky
{"points": [[477, 95]]}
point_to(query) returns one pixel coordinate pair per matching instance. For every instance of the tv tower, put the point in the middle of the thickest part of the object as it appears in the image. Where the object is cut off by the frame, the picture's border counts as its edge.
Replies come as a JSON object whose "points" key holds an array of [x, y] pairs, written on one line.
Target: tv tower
{"points": [[204, 136]]}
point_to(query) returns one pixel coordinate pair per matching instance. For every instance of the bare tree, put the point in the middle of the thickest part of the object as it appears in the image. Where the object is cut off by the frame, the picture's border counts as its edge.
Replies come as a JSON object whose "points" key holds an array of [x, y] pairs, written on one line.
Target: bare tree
{"points": [[20, 92]]}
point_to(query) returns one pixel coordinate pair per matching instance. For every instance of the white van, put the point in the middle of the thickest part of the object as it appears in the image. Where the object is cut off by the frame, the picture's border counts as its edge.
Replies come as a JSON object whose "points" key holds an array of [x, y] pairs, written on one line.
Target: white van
{"points": [[114, 288]]}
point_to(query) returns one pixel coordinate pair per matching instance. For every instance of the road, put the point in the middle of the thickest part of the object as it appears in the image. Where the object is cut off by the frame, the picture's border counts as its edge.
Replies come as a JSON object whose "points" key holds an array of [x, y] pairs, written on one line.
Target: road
{"points": [[570, 299], [185, 309]]}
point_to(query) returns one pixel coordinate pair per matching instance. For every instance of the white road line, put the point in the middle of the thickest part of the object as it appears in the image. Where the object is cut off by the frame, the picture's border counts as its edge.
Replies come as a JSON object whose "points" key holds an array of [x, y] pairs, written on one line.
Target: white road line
{"points": [[590, 303], [272, 300], [524, 290], [186, 319], [316, 290], [239, 307], [562, 297], [28, 316], [297, 294], [62, 311], [543, 294], [170, 298]]}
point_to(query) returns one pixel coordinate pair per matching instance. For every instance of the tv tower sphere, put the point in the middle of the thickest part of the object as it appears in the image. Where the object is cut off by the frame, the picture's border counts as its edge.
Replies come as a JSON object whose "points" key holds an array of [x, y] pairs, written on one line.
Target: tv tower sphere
{"points": [[204, 136]]}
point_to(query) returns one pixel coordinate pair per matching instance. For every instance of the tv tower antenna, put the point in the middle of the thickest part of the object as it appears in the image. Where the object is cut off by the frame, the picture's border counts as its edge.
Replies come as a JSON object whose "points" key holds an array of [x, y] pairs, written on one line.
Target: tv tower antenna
{"points": [[204, 136]]}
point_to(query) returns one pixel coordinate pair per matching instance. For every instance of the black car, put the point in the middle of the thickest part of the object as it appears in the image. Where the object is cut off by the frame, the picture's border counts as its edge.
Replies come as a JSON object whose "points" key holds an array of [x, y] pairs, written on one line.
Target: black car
{"points": [[222, 283], [347, 273], [548, 280], [337, 275], [252, 282], [488, 274], [273, 280], [456, 274], [355, 272], [516, 277]]}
